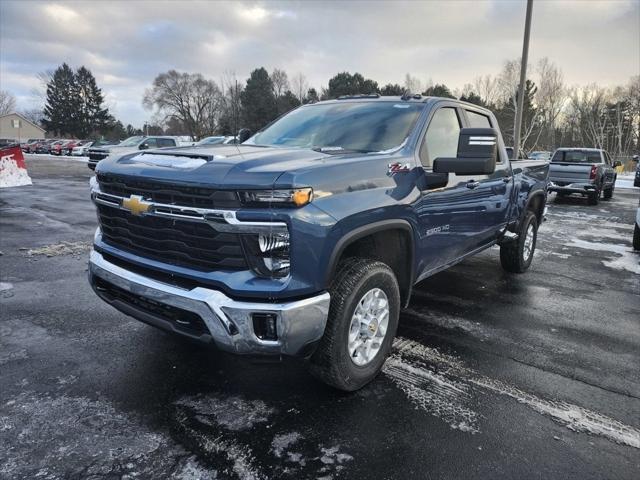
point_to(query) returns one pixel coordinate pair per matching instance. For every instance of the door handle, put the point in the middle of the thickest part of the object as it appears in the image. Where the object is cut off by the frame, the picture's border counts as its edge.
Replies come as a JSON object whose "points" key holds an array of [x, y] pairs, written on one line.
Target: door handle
{"points": [[473, 184]]}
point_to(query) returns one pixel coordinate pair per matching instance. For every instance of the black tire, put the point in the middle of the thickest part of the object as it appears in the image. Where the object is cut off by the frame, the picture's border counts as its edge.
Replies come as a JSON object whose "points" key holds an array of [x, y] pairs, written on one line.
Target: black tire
{"points": [[512, 254], [593, 198], [636, 237], [331, 361], [608, 192]]}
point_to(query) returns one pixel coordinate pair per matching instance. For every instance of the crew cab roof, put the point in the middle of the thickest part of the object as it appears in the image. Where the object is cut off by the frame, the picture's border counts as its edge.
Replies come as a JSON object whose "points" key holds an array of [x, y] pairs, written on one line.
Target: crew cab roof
{"points": [[398, 99]]}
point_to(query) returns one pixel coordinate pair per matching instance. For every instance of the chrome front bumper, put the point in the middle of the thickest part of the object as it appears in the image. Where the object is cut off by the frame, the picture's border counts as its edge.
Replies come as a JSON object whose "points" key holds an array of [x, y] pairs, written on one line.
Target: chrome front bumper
{"points": [[299, 324]]}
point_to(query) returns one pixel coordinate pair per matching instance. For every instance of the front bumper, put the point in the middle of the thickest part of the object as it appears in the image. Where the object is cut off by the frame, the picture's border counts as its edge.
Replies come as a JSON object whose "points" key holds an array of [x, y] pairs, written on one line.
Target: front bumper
{"points": [[229, 323]]}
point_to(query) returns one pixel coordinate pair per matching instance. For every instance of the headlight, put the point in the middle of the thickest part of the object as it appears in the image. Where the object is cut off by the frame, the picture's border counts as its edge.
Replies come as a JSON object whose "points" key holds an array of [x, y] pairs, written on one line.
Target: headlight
{"points": [[295, 197], [268, 253]]}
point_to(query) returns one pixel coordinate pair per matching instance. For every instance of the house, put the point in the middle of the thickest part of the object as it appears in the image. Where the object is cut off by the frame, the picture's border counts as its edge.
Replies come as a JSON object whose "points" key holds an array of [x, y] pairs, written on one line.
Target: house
{"points": [[14, 126]]}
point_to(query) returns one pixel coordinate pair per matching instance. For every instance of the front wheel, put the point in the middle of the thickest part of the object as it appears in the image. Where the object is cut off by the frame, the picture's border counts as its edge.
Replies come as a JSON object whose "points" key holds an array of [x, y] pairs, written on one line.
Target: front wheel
{"points": [[516, 255], [362, 322]]}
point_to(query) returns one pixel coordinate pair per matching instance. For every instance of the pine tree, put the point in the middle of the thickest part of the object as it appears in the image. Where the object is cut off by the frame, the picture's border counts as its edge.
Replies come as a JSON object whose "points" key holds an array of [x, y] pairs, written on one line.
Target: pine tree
{"points": [[74, 105], [345, 83], [60, 113], [89, 104], [258, 101]]}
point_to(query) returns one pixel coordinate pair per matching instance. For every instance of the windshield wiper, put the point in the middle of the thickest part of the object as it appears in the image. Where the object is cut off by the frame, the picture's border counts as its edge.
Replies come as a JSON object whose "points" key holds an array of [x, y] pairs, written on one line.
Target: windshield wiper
{"points": [[339, 150]]}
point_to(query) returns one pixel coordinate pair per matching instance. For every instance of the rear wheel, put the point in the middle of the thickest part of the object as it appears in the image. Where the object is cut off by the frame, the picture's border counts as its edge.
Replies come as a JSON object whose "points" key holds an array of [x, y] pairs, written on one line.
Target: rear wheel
{"points": [[362, 322], [516, 255], [593, 197], [607, 193], [636, 237]]}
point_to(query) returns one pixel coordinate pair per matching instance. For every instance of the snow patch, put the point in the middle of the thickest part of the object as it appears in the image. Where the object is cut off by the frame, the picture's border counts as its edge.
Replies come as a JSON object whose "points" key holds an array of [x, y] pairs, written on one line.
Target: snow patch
{"points": [[11, 175], [627, 259], [63, 248], [233, 413], [440, 384], [433, 391], [5, 286], [571, 416], [281, 442]]}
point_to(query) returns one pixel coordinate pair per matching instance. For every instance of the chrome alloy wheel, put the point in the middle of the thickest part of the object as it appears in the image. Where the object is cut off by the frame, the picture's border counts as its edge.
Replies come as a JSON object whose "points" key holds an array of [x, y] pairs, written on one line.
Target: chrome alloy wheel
{"points": [[528, 243], [368, 327]]}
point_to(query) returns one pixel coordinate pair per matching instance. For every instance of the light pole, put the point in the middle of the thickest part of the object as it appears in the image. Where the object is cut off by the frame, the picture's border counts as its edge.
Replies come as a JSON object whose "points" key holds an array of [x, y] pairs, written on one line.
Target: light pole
{"points": [[523, 78]]}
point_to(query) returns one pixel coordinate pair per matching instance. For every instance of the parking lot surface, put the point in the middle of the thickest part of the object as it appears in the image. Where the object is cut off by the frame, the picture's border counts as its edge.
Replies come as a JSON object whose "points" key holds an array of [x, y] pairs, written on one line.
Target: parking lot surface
{"points": [[493, 375]]}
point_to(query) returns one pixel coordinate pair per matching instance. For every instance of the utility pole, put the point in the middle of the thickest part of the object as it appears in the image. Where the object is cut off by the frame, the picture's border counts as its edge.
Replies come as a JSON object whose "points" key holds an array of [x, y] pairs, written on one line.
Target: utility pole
{"points": [[523, 78]]}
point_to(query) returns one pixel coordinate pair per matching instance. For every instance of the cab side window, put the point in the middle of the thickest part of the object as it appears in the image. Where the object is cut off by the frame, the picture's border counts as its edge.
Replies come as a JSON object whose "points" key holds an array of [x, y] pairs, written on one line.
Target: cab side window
{"points": [[441, 139], [477, 120], [152, 142], [166, 142]]}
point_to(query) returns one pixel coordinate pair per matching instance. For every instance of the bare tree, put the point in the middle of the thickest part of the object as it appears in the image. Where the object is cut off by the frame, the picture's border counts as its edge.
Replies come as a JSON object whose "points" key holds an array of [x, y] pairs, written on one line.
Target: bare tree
{"points": [[487, 88], [551, 98], [412, 84], [34, 115], [7, 102], [280, 82], [300, 86], [189, 98]]}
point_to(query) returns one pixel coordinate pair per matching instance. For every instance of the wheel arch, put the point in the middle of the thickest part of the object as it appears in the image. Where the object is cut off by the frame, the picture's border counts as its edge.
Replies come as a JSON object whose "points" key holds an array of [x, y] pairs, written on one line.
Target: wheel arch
{"points": [[369, 241]]}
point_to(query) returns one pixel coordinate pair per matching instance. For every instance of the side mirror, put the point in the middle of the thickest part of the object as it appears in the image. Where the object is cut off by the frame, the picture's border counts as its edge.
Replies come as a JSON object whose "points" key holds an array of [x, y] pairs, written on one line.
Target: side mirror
{"points": [[243, 135], [477, 153], [143, 146], [617, 163]]}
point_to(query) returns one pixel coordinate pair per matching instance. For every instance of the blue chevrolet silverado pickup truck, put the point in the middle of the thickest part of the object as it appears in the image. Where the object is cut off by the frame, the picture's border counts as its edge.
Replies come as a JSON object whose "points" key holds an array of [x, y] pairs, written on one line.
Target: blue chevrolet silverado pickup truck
{"points": [[306, 239]]}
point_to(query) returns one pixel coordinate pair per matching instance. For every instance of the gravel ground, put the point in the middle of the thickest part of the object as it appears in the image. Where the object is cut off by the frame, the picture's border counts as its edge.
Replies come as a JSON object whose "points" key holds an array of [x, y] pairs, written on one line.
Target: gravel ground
{"points": [[492, 375]]}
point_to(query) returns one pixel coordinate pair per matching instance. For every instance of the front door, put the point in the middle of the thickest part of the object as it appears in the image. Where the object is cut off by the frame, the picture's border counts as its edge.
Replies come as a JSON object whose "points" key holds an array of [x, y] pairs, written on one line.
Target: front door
{"points": [[469, 211]]}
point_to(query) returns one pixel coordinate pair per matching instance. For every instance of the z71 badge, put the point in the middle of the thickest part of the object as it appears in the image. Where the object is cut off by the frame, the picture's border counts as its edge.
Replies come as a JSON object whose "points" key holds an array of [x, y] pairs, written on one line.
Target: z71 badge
{"points": [[397, 168]]}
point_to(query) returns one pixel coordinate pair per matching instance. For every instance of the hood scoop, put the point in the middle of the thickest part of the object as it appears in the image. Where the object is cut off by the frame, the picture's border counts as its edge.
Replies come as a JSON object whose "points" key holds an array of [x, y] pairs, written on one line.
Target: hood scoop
{"points": [[181, 161]]}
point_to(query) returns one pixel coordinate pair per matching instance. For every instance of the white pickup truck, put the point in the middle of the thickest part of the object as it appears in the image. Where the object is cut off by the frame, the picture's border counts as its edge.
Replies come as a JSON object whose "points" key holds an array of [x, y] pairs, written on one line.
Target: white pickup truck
{"points": [[587, 171]]}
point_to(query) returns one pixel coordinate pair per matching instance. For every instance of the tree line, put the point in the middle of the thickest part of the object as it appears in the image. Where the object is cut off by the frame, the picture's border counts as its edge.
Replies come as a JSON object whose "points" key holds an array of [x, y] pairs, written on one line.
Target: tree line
{"points": [[180, 103]]}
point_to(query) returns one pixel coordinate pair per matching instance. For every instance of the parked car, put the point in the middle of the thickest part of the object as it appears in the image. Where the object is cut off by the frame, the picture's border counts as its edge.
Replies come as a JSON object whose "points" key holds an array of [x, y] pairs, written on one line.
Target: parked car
{"points": [[540, 155], [217, 140], [131, 144], [306, 239], [45, 147], [587, 171], [25, 146], [82, 149], [69, 146], [59, 147], [521, 155]]}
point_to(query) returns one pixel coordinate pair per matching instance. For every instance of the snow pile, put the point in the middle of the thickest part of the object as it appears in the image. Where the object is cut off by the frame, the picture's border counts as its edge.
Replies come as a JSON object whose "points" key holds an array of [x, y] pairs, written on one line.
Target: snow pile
{"points": [[10, 174]]}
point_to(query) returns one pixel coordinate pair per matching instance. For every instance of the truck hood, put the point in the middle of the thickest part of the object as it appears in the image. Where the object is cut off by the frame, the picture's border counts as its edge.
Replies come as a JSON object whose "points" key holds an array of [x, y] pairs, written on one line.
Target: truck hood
{"points": [[226, 166]]}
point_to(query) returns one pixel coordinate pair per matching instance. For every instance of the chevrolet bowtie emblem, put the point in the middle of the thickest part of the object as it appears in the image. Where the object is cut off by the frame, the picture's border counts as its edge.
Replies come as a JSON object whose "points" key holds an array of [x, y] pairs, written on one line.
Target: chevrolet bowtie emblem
{"points": [[136, 205]]}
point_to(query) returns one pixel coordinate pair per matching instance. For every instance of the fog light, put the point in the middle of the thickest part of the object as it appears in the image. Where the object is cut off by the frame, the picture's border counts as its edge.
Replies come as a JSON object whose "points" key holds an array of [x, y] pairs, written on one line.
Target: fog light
{"points": [[264, 325]]}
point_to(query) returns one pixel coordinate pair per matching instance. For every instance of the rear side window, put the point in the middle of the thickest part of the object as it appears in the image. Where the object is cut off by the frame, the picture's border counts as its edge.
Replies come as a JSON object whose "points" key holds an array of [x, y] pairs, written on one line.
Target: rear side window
{"points": [[166, 142], [442, 137], [477, 120], [576, 156]]}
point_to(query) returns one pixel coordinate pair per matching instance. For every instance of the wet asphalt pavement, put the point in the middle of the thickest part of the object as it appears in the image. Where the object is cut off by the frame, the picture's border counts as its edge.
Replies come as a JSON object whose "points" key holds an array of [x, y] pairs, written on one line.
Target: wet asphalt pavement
{"points": [[492, 375]]}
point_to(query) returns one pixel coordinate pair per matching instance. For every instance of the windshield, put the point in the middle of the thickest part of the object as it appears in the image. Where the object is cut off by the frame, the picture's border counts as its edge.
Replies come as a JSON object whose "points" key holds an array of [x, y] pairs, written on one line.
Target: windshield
{"points": [[576, 156], [338, 127], [130, 142], [211, 141]]}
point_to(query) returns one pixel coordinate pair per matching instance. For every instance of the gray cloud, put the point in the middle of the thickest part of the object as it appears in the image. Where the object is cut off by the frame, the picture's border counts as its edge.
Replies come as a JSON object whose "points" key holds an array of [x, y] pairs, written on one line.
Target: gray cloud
{"points": [[127, 43]]}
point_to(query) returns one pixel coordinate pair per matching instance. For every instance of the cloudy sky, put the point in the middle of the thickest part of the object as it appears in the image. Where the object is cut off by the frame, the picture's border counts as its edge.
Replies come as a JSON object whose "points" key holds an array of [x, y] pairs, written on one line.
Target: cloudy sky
{"points": [[127, 43]]}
